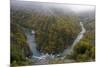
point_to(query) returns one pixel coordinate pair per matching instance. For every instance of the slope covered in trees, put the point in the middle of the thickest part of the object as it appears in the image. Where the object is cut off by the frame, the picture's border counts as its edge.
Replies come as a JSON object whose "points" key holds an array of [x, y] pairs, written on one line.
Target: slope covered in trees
{"points": [[19, 47], [85, 49], [55, 29]]}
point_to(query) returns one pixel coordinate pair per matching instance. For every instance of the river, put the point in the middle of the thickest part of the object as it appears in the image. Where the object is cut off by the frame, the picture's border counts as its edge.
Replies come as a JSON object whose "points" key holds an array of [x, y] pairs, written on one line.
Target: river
{"points": [[80, 35], [78, 38], [42, 58]]}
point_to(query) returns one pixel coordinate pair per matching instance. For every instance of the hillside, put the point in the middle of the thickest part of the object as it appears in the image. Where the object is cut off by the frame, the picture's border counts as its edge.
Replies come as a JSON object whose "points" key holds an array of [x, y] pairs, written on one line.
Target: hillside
{"points": [[55, 27]]}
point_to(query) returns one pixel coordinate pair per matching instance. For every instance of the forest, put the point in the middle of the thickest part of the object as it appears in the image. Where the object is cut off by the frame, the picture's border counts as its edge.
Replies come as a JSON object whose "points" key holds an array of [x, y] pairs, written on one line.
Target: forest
{"points": [[55, 31]]}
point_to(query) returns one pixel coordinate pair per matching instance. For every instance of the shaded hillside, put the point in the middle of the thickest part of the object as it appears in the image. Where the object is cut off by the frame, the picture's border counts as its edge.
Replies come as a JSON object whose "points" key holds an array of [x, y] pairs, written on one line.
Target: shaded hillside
{"points": [[19, 47]]}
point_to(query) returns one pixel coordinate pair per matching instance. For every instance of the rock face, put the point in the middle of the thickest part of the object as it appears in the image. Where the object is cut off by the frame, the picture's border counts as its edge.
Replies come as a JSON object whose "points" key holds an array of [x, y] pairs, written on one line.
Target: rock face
{"points": [[42, 62], [33, 32]]}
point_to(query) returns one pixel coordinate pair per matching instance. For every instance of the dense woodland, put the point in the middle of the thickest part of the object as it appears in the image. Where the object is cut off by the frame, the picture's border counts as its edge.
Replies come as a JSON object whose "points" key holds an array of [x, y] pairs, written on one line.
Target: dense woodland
{"points": [[85, 49], [20, 50], [53, 33]]}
